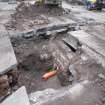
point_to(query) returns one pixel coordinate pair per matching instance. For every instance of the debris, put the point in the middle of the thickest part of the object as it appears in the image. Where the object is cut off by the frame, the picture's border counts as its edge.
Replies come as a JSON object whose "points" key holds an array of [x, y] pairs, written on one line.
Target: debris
{"points": [[74, 73], [8, 82], [101, 76], [4, 85], [27, 16], [13, 76], [39, 96], [44, 57], [28, 34], [50, 74]]}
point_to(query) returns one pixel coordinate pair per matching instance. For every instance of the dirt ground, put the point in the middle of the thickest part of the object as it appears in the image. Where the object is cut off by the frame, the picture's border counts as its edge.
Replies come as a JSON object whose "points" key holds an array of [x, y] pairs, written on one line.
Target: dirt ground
{"points": [[34, 61], [27, 16]]}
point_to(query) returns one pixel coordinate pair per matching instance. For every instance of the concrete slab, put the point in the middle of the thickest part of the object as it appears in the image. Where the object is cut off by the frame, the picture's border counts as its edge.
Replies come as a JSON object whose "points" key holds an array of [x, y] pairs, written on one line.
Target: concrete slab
{"points": [[71, 41], [20, 97], [5, 6], [92, 45], [93, 42], [98, 31], [7, 57]]}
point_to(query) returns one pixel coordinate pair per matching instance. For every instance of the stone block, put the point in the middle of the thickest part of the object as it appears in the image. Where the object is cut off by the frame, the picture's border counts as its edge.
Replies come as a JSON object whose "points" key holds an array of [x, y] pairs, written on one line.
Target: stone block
{"points": [[8, 60], [20, 97]]}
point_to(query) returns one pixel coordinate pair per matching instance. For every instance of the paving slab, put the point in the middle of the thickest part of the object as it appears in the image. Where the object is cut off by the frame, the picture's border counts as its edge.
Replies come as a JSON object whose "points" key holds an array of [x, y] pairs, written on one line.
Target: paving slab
{"points": [[20, 97], [71, 41], [93, 44], [5, 6], [7, 57], [98, 31], [90, 40], [79, 94]]}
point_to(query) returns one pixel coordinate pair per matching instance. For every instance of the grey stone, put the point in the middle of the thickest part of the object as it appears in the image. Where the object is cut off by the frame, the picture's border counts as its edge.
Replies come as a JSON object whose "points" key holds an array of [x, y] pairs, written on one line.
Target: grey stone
{"points": [[28, 34], [7, 57], [56, 25], [101, 76], [4, 6], [71, 41], [79, 94], [50, 96], [12, 2], [20, 97], [93, 42], [92, 45]]}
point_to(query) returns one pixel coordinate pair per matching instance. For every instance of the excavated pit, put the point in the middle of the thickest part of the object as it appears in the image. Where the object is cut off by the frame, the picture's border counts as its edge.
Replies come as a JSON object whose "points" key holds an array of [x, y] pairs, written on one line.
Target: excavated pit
{"points": [[38, 56], [35, 60]]}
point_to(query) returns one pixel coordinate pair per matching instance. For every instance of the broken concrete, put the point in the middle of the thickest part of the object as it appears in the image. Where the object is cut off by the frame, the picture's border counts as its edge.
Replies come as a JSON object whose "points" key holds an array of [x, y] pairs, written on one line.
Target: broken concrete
{"points": [[52, 28], [30, 20], [19, 97]]}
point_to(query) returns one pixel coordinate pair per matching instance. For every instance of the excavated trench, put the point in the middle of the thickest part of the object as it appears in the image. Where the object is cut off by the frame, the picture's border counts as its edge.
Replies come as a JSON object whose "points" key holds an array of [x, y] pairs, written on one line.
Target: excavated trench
{"points": [[74, 67], [35, 60], [37, 56]]}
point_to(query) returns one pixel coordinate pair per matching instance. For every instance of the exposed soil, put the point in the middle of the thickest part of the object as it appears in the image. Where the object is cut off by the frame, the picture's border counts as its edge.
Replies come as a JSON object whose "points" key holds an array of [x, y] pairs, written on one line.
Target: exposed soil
{"points": [[27, 16], [34, 61]]}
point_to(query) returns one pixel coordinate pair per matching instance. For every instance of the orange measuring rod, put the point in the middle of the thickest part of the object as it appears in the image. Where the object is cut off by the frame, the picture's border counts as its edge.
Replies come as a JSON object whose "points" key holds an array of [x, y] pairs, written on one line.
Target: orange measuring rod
{"points": [[49, 75]]}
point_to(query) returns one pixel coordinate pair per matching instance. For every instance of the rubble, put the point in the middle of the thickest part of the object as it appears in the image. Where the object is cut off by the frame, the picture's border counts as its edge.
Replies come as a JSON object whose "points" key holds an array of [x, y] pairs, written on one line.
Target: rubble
{"points": [[4, 85], [27, 16], [101, 76]]}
